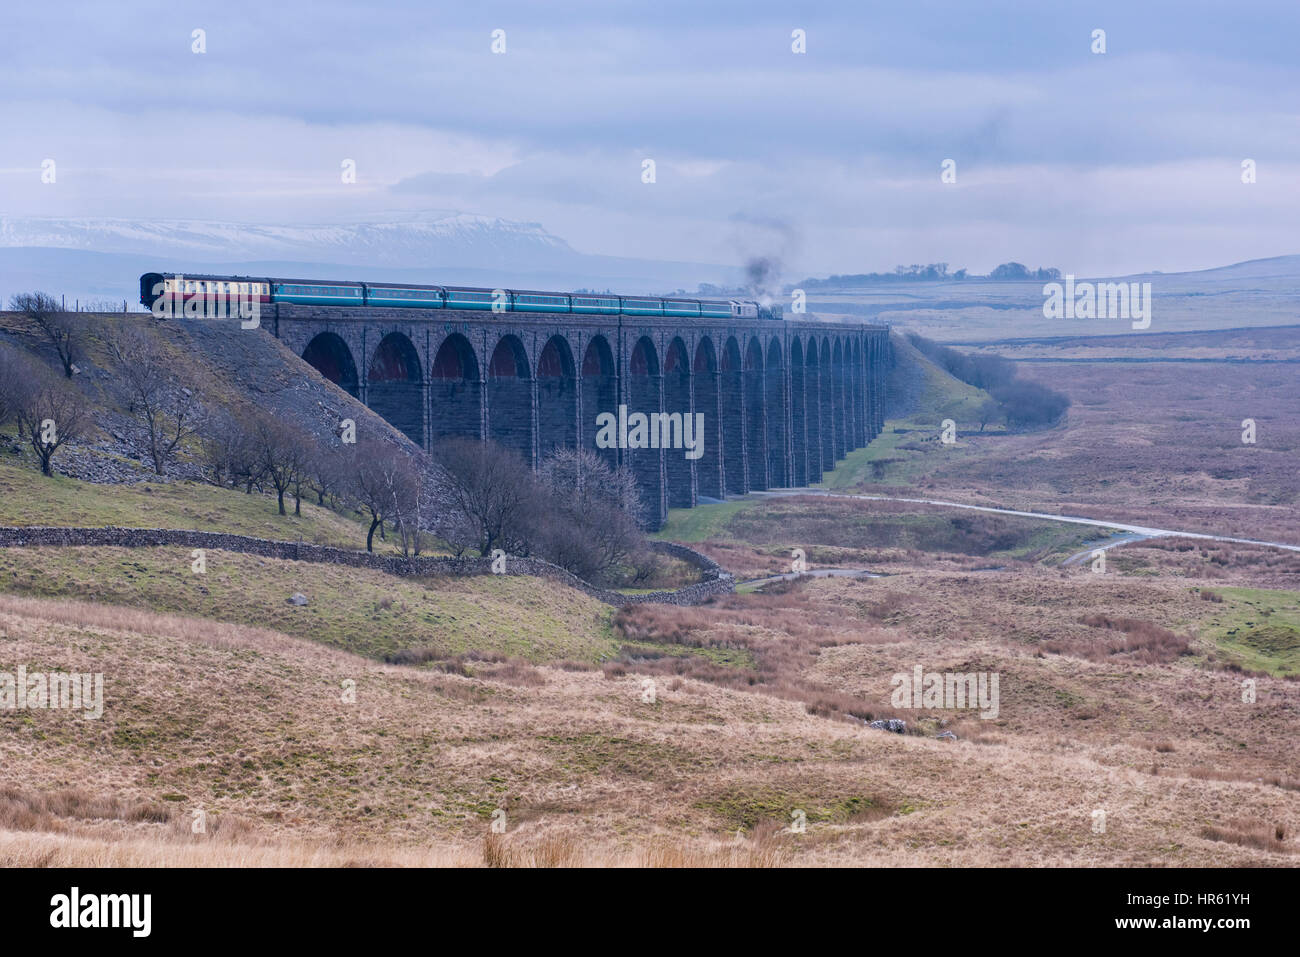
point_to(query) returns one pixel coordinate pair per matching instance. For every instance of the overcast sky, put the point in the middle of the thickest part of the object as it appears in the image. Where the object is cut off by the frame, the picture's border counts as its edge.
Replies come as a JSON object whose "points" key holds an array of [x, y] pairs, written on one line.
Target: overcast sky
{"points": [[1110, 163]]}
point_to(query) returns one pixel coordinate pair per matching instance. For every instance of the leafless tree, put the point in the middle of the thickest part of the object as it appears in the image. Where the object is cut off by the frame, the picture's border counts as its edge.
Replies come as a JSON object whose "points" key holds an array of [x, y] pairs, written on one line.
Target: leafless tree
{"points": [[588, 480], [591, 526], [326, 472], [487, 495], [989, 411], [161, 399], [50, 412], [65, 330], [385, 483], [230, 454], [281, 450]]}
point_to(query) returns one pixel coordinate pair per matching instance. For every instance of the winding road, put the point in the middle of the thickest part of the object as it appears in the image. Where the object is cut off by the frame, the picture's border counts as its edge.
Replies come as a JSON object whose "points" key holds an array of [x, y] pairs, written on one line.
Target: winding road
{"points": [[1133, 533]]}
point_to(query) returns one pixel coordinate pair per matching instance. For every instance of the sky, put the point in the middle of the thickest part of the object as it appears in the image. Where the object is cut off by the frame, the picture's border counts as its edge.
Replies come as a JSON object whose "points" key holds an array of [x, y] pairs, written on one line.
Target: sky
{"points": [[829, 160]]}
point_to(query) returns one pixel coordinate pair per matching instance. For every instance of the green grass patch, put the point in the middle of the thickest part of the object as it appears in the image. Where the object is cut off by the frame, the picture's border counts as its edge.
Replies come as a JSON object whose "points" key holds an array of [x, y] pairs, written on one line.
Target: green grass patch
{"points": [[354, 609], [702, 523], [740, 658], [606, 756], [29, 498], [896, 458], [745, 807], [1256, 628]]}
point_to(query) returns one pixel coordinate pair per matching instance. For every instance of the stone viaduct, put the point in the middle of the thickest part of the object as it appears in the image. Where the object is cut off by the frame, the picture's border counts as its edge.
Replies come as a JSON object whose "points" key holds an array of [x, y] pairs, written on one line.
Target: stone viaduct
{"points": [[782, 401]]}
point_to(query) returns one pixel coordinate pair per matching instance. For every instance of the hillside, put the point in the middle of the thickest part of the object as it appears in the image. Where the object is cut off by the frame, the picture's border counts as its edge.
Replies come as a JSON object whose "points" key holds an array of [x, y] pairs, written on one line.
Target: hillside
{"points": [[229, 370], [152, 503], [1259, 293], [921, 394]]}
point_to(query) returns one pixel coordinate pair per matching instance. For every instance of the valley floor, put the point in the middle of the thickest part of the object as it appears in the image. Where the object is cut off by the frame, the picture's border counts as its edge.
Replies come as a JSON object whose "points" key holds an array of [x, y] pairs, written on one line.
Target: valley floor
{"points": [[1147, 715]]}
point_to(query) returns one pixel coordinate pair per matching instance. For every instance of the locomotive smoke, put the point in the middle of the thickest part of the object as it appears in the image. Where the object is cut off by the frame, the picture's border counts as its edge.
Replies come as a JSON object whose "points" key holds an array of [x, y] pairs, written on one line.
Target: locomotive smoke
{"points": [[763, 276], [765, 245]]}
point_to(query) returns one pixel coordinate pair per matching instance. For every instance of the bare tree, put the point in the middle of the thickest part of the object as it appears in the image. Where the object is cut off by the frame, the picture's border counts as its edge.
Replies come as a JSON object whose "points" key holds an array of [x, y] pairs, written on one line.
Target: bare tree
{"points": [[591, 526], [230, 455], [160, 398], [588, 480], [384, 482], [50, 413], [487, 495], [989, 411], [65, 330], [281, 450], [326, 473]]}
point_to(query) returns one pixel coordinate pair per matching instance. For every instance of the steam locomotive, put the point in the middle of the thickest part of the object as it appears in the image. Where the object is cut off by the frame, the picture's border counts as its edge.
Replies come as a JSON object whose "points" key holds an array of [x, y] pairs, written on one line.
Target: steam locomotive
{"points": [[230, 290]]}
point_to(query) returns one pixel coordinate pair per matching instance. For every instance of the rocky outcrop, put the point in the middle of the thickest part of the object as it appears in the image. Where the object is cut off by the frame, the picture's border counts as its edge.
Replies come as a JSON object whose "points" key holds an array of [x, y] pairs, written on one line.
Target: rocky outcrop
{"points": [[895, 725]]}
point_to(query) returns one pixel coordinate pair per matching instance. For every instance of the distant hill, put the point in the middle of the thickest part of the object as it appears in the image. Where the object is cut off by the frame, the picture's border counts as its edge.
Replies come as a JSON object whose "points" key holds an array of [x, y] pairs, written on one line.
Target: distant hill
{"points": [[454, 240], [1275, 267], [103, 258], [1260, 292]]}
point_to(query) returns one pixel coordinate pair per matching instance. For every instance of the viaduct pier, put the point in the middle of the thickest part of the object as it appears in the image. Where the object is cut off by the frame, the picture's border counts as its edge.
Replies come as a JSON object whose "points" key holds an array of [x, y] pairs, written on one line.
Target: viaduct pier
{"points": [[782, 401]]}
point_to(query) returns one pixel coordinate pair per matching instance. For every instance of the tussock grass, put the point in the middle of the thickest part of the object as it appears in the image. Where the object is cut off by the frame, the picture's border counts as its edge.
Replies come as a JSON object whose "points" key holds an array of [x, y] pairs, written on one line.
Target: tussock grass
{"points": [[1249, 833]]}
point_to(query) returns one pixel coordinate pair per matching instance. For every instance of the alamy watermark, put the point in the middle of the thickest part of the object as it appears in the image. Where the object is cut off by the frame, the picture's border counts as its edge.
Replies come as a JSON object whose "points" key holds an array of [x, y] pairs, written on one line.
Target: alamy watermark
{"points": [[59, 690], [936, 690], [178, 297], [656, 430], [1100, 300]]}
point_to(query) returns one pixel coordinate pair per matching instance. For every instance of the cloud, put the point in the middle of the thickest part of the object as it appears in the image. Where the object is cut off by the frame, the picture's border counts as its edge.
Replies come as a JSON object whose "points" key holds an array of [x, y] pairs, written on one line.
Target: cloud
{"points": [[1081, 159]]}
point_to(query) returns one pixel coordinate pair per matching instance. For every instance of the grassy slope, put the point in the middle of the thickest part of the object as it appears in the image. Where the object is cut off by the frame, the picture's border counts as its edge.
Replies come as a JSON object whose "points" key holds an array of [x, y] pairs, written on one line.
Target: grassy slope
{"points": [[29, 498], [251, 728], [922, 395], [223, 364], [353, 609], [701, 523]]}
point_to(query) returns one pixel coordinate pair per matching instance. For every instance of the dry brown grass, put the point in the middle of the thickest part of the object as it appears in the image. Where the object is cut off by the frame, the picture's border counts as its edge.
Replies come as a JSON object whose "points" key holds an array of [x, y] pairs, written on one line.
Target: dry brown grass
{"points": [[248, 725], [118, 618], [782, 631], [1141, 641], [1251, 834], [1152, 444], [22, 810]]}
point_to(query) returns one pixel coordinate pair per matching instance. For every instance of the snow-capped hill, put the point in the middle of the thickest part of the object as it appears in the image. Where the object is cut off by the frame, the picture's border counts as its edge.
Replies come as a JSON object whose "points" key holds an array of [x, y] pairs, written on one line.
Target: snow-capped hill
{"points": [[449, 240]]}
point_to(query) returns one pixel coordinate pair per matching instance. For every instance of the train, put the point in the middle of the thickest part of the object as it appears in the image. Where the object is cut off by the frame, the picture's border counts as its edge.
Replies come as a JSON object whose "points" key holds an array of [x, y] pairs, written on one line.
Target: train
{"points": [[229, 291]]}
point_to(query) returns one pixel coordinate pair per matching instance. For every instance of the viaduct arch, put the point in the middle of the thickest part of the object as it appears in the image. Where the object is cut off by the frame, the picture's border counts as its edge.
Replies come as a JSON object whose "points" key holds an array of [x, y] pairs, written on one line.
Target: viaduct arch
{"points": [[781, 402]]}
